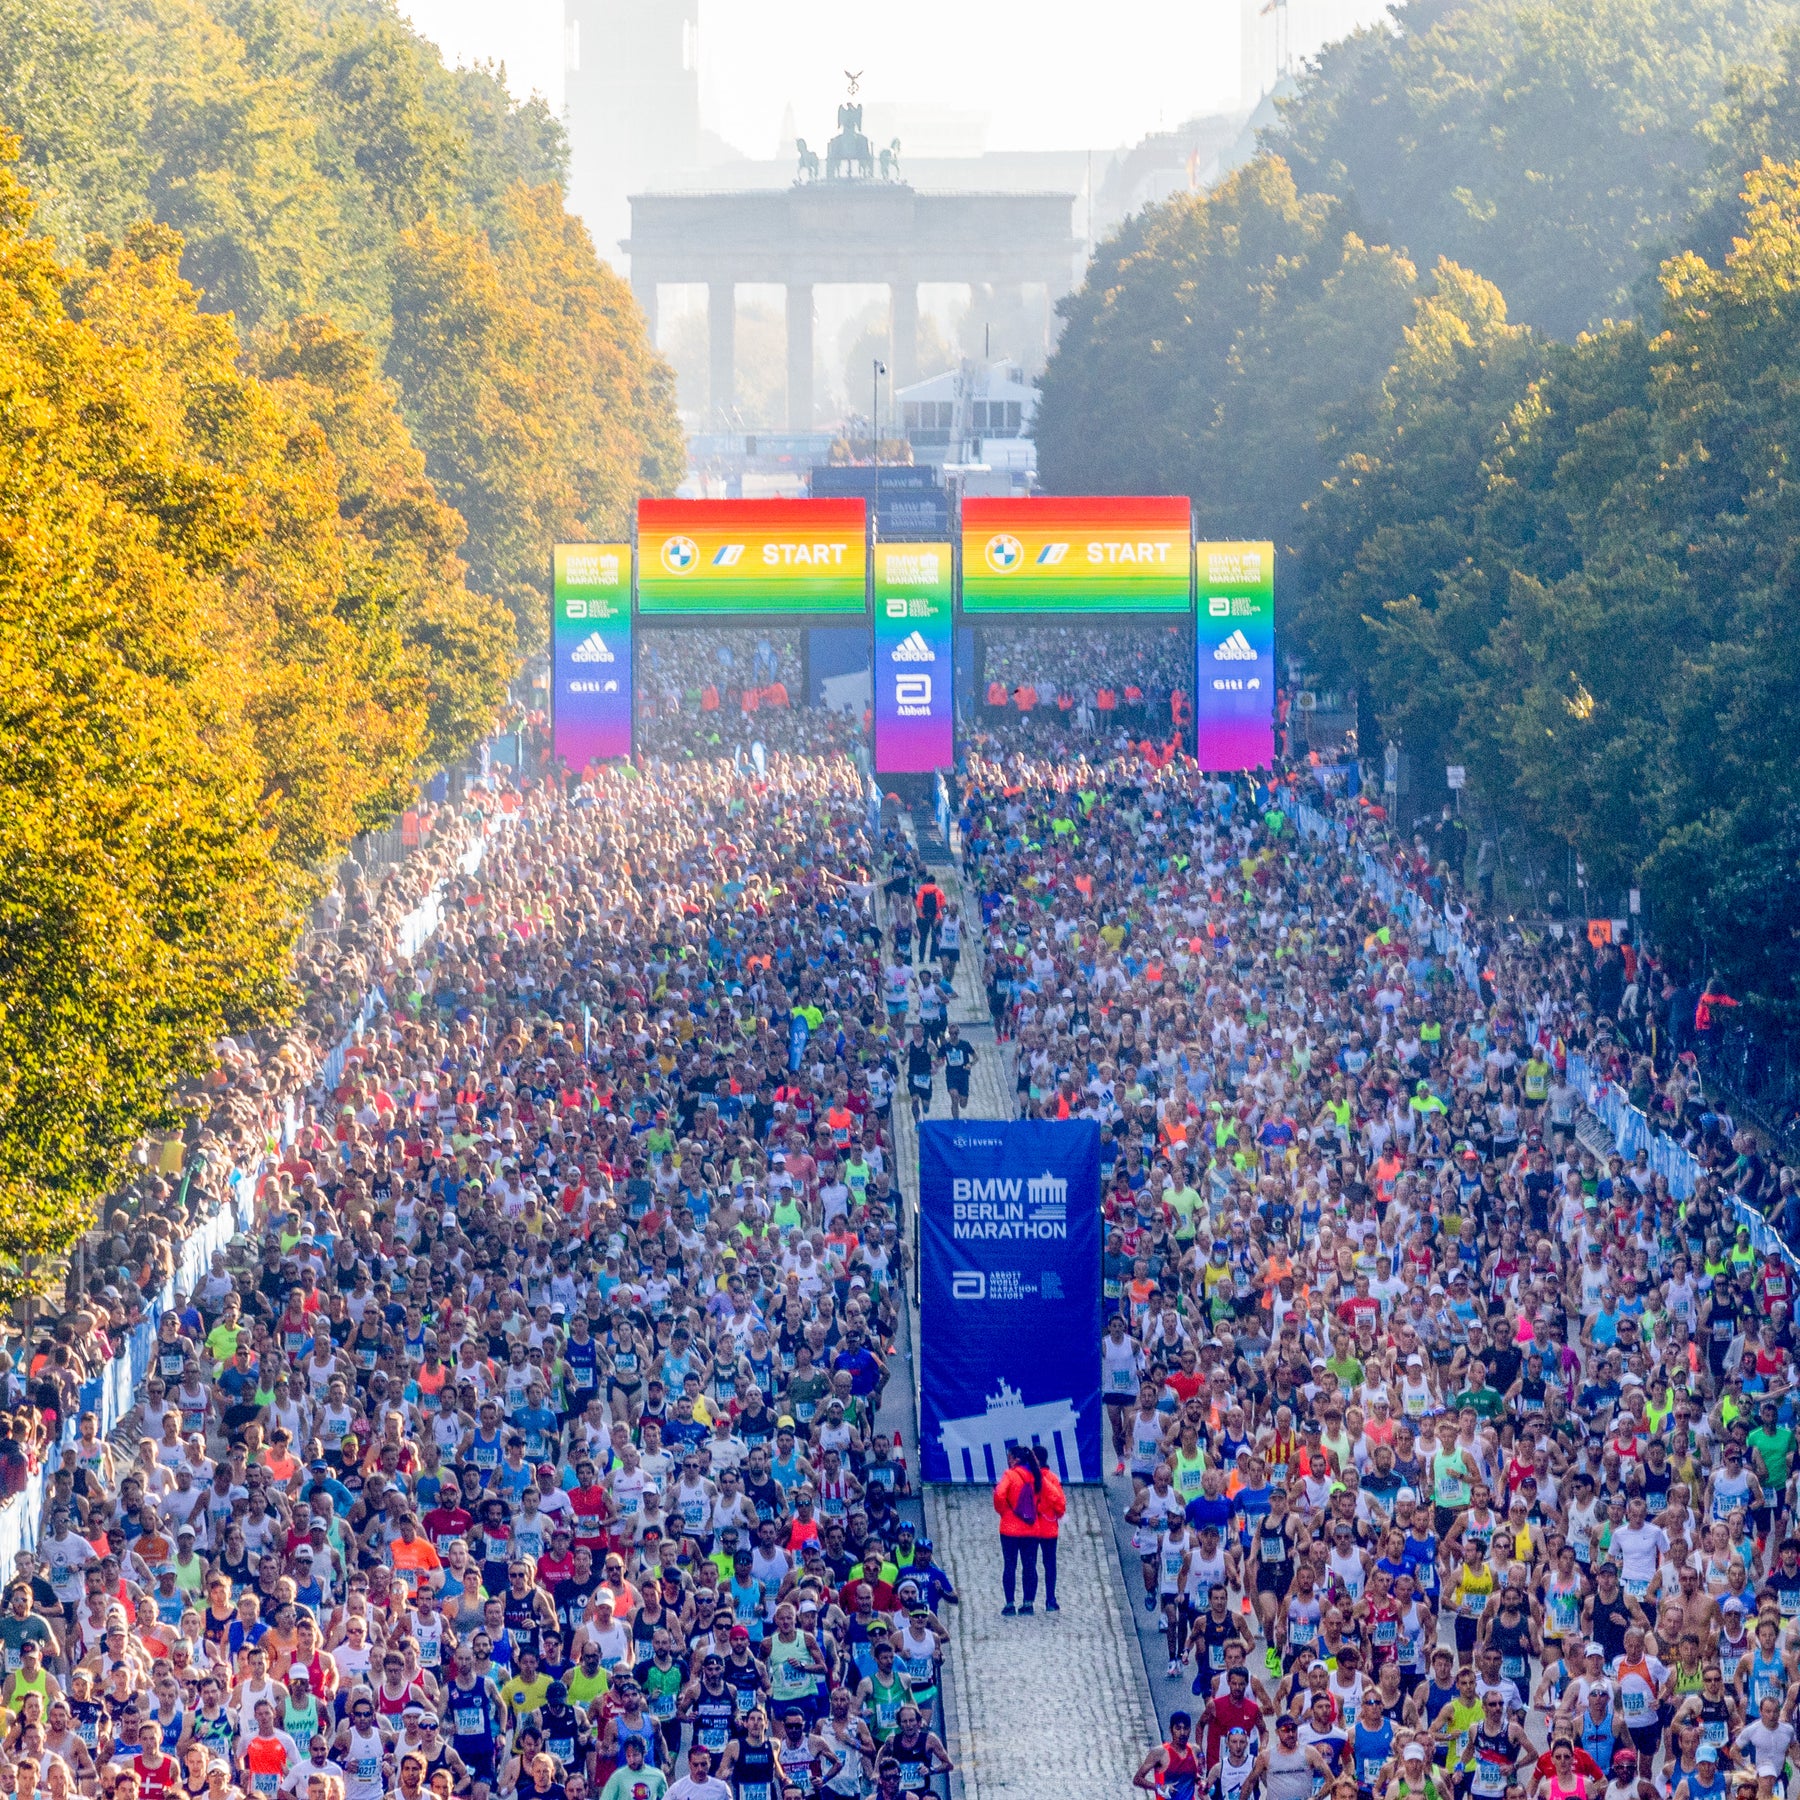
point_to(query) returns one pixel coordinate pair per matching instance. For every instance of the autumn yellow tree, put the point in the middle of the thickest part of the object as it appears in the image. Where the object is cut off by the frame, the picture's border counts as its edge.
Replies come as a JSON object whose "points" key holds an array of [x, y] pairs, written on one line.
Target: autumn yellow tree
{"points": [[530, 383], [143, 909], [233, 629], [404, 576]]}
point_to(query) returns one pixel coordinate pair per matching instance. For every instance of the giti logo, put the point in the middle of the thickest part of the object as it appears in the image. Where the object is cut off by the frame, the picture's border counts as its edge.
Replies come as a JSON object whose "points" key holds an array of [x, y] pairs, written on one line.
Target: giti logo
{"points": [[913, 648], [680, 555], [1235, 648], [728, 556], [1004, 553], [592, 649], [1051, 555]]}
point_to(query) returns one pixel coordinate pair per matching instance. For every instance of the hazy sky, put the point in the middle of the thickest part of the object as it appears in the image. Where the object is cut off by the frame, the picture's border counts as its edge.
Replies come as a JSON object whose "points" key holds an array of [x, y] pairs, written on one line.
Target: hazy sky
{"points": [[1049, 74]]}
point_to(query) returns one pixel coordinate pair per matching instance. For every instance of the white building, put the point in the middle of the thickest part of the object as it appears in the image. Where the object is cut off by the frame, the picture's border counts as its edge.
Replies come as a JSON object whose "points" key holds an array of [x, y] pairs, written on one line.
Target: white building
{"points": [[978, 414]]}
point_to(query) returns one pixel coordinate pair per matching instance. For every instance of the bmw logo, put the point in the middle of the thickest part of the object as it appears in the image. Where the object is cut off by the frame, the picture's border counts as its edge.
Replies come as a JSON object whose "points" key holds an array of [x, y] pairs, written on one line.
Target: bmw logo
{"points": [[680, 554], [1004, 553]]}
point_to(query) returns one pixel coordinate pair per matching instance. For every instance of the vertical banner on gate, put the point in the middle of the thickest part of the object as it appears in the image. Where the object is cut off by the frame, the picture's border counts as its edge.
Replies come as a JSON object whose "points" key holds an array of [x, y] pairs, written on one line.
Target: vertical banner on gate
{"points": [[915, 723], [1234, 641], [590, 653], [1009, 1310]]}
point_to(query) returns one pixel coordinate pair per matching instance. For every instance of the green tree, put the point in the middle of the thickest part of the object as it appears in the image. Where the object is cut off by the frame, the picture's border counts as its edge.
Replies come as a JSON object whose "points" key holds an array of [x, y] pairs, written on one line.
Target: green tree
{"points": [[66, 92], [1547, 146]]}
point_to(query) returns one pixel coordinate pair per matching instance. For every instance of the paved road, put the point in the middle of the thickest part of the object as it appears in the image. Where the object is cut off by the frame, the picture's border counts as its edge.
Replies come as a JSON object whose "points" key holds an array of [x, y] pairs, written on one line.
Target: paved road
{"points": [[1054, 1706], [1048, 1706]]}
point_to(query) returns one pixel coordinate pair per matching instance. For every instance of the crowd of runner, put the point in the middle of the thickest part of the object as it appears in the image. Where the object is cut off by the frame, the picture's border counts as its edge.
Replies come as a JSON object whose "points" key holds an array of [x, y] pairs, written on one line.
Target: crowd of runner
{"points": [[534, 1451], [1460, 1458], [1048, 679], [700, 689]]}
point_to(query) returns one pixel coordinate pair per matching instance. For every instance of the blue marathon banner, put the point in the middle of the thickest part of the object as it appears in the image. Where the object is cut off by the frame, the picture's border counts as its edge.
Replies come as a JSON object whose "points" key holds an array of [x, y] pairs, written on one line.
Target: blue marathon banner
{"points": [[1009, 1313]]}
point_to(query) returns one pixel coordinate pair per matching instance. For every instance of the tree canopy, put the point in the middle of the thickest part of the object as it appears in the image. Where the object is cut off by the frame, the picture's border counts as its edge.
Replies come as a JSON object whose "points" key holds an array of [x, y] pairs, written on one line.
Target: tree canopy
{"points": [[319, 161], [303, 366], [1497, 338]]}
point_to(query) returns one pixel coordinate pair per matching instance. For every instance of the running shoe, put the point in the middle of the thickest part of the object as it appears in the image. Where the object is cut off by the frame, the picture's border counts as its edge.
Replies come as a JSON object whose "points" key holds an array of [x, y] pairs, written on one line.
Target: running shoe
{"points": [[1149, 1603], [1007, 1611]]}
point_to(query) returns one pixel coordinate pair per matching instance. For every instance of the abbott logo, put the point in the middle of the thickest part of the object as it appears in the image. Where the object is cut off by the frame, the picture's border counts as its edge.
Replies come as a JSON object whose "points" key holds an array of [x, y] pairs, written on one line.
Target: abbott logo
{"points": [[968, 1284], [1219, 606], [1235, 648], [912, 690], [913, 648], [592, 649]]}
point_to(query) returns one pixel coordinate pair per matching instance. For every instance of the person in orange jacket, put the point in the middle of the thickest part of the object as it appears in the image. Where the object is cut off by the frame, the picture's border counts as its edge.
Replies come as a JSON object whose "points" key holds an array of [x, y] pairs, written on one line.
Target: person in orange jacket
{"points": [[1052, 1503], [1019, 1496]]}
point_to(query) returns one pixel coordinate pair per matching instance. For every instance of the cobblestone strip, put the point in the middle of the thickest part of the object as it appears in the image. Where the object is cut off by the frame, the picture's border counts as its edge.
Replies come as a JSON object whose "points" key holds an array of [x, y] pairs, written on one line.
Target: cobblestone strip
{"points": [[1054, 1706]]}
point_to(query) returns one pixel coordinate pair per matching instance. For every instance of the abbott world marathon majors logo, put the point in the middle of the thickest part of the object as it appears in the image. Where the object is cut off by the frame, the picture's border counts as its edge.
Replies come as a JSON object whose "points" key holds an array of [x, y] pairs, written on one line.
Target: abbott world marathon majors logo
{"points": [[1006, 1207]]}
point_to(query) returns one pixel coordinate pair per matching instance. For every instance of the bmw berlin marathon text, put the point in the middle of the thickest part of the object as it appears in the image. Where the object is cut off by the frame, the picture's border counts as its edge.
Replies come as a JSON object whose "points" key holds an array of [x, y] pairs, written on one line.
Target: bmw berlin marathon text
{"points": [[995, 1209], [1006, 1207]]}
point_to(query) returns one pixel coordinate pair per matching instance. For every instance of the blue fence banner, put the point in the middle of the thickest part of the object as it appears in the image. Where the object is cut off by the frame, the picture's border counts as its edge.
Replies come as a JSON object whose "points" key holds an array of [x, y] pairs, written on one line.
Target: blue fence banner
{"points": [[1009, 1296]]}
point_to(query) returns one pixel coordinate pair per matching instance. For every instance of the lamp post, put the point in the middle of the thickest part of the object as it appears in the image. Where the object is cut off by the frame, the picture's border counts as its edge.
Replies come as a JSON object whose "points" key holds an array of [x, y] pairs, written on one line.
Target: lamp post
{"points": [[875, 429]]}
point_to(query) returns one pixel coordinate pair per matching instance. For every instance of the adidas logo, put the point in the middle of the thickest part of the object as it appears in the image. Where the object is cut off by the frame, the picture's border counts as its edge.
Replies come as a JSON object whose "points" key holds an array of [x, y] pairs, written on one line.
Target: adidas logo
{"points": [[592, 648], [913, 648], [1235, 648]]}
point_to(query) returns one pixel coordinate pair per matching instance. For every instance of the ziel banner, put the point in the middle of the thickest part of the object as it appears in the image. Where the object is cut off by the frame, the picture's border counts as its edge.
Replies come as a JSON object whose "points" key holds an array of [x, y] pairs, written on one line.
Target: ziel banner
{"points": [[590, 650], [915, 725], [1107, 553], [700, 557], [1009, 1318], [1234, 639]]}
